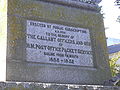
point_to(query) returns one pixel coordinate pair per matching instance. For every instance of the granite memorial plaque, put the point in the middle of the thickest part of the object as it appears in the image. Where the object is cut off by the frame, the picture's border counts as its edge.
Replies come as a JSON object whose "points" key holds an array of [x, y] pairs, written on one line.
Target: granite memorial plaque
{"points": [[58, 44]]}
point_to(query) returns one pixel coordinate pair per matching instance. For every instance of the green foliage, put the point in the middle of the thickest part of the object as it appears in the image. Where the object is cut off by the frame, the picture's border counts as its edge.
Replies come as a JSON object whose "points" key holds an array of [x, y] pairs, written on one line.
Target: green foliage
{"points": [[113, 66]]}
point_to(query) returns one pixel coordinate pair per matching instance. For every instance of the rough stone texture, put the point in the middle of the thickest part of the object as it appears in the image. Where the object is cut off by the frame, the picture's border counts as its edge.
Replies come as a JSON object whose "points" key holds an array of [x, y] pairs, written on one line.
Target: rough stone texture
{"points": [[89, 4], [47, 55], [48, 86], [18, 69]]}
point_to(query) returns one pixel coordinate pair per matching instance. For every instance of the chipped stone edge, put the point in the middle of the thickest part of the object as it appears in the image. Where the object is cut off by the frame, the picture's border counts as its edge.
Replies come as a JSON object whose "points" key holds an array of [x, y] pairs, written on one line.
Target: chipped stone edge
{"points": [[33, 85], [93, 7]]}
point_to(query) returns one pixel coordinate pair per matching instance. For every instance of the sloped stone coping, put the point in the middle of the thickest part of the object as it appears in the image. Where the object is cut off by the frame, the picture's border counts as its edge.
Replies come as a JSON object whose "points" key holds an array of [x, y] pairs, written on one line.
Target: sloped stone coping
{"points": [[77, 4]]}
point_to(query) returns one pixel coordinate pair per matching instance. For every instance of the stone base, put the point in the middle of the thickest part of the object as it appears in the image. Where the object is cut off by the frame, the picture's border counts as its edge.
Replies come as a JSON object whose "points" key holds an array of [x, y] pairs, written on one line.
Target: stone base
{"points": [[49, 86]]}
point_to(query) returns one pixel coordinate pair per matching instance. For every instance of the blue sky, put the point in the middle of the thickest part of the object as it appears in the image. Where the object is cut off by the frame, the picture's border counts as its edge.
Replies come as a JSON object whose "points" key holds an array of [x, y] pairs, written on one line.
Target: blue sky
{"points": [[112, 41]]}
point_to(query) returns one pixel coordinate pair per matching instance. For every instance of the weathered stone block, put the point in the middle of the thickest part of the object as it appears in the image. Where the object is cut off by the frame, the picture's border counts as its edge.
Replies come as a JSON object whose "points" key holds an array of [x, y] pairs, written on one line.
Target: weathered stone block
{"points": [[82, 56]]}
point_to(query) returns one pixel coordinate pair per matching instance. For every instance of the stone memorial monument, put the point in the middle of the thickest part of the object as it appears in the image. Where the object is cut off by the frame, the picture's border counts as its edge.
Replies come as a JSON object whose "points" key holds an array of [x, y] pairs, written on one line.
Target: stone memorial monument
{"points": [[53, 41]]}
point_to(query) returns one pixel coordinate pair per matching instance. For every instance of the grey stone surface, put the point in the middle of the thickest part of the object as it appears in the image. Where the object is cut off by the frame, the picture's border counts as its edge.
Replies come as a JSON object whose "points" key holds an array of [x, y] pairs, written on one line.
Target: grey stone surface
{"points": [[93, 2], [88, 4], [58, 44]]}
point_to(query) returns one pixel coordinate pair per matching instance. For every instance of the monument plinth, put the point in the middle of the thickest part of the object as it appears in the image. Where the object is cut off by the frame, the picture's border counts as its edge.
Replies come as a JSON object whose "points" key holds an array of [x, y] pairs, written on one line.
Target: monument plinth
{"points": [[53, 41]]}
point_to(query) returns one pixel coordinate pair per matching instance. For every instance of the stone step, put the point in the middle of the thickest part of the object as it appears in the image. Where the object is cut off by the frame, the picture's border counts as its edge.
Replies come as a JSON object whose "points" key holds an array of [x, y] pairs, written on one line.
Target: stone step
{"points": [[51, 86]]}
